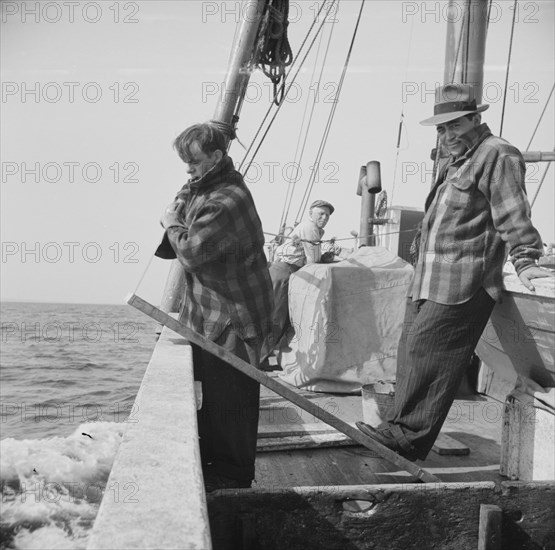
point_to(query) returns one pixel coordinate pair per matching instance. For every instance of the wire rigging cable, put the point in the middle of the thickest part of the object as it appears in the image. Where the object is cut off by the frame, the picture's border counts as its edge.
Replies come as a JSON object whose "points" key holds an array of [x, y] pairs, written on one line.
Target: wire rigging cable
{"points": [[299, 157], [508, 68], [541, 183], [261, 125], [296, 162], [541, 116], [330, 6], [323, 142], [402, 117]]}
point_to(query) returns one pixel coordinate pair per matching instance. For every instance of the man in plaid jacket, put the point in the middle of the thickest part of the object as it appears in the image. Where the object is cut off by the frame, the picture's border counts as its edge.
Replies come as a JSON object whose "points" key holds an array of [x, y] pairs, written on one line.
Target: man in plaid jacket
{"points": [[476, 211], [215, 232]]}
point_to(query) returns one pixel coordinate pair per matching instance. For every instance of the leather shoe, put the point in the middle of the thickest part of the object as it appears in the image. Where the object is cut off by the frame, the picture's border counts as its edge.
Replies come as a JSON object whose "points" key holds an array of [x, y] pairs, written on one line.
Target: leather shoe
{"points": [[387, 440]]}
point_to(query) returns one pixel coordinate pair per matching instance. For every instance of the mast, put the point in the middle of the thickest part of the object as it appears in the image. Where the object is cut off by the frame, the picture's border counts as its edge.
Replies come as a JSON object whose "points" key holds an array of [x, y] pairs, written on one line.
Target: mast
{"points": [[466, 43], [231, 97]]}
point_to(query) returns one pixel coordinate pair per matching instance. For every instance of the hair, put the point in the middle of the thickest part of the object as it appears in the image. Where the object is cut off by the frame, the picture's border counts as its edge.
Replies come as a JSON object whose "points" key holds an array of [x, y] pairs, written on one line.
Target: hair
{"points": [[471, 116], [209, 137]]}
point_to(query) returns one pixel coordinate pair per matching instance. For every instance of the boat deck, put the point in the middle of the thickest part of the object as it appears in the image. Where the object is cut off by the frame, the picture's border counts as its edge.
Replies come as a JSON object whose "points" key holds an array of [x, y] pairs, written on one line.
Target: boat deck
{"points": [[316, 455]]}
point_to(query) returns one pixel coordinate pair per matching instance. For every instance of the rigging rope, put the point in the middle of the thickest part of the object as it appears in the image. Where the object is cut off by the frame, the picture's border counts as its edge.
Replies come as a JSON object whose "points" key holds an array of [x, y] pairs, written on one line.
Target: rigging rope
{"points": [[144, 274], [226, 128], [286, 76], [530, 143], [296, 163], [299, 158], [541, 116], [402, 117], [331, 4], [273, 52], [323, 142], [334, 239], [541, 183], [508, 68]]}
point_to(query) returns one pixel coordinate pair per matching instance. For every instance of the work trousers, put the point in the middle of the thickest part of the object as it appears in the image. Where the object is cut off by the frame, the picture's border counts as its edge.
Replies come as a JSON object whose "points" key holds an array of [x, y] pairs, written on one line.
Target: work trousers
{"points": [[435, 349], [228, 419], [279, 273]]}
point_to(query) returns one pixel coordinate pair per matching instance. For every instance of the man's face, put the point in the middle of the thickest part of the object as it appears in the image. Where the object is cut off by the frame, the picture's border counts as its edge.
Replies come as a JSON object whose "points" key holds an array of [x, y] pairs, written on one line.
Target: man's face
{"points": [[320, 216], [450, 132], [200, 162]]}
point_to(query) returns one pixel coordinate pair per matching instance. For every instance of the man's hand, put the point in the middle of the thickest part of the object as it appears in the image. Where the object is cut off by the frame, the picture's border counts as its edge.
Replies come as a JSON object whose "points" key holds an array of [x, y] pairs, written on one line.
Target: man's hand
{"points": [[173, 215], [534, 272]]}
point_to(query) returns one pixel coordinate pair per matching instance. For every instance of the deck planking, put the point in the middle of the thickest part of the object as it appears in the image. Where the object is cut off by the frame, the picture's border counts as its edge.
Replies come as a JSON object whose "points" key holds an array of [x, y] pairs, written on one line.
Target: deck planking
{"points": [[474, 422]]}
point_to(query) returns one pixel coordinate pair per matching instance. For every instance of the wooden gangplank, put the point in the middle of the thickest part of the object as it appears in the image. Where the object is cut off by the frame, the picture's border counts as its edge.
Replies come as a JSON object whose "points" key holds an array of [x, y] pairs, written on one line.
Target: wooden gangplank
{"points": [[281, 389]]}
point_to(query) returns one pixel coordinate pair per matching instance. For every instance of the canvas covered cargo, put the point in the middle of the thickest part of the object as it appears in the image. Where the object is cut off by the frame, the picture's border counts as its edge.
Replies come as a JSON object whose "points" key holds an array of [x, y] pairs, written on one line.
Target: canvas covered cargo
{"points": [[347, 318]]}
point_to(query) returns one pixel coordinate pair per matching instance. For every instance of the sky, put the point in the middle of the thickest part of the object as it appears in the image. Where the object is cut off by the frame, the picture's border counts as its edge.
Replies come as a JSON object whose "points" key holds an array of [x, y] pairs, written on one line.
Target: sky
{"points": [[94, 93]]}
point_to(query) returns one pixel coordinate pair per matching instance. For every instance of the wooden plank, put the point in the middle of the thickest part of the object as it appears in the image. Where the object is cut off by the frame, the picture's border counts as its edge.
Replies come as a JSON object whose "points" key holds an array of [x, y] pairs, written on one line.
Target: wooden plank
{"points": [[328, 466], [277, 400], [292, 430], [446, 445], [316, 441], [281, 389], [489, 529]]}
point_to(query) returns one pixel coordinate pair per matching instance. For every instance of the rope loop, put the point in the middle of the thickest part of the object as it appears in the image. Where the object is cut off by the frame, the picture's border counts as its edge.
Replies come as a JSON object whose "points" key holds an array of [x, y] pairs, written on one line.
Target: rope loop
{"points": [[273, 53]]}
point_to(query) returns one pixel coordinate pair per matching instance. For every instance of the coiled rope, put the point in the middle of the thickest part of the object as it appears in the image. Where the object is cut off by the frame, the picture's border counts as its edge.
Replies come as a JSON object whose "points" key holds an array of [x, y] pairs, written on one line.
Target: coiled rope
{"points": [[272, 52]]}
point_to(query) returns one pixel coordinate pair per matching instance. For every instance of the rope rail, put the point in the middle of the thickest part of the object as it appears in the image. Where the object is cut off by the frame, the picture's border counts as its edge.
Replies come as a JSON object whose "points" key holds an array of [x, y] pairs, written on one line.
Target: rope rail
{"points": [[335, 240]]}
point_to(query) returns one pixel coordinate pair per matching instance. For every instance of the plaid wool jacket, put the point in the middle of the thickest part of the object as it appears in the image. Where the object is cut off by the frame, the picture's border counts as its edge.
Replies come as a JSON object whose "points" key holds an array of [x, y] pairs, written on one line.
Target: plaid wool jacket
{"points": [[221, 247], [476, 212]]}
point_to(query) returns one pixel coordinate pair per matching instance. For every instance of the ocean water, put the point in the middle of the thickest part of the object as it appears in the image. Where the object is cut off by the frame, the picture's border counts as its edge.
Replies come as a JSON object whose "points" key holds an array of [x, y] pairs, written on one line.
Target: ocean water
{"points": [[69, 374]]}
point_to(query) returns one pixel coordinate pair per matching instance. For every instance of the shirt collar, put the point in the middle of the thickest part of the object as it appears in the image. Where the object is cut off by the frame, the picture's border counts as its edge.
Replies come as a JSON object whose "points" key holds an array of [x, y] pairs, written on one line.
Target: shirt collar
{"points": [[213, 175]]}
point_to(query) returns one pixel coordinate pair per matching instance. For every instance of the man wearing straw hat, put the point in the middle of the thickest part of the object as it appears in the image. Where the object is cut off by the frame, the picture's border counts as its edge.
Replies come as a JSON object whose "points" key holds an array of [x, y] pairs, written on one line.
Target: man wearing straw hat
{"points": [[476, 211]]}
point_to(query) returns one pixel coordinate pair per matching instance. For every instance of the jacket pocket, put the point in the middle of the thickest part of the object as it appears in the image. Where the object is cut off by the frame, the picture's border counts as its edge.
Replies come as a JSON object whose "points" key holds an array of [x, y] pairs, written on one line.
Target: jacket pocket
{"points": [[458, 194], [462, 184]]}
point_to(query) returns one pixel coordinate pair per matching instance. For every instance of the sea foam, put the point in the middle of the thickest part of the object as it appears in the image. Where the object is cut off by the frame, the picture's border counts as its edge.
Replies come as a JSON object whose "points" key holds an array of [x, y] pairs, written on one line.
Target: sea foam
{"points": [[52, 488]]}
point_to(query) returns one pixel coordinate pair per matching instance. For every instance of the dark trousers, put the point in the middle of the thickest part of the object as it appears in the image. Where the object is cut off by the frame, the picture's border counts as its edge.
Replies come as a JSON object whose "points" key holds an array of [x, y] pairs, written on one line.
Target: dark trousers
{"points": [[279, 273], [228, 419], [435, 349]]}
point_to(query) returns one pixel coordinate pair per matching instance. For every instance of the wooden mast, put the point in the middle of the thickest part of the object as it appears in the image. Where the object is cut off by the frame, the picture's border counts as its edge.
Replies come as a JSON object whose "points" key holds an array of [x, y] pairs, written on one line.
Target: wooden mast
{"points": [[231, 96], [466, 43]]}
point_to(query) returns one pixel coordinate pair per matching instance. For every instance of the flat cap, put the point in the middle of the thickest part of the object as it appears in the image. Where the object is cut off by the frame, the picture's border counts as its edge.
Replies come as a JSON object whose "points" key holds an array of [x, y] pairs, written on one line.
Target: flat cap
{"points": [[322, 204]]}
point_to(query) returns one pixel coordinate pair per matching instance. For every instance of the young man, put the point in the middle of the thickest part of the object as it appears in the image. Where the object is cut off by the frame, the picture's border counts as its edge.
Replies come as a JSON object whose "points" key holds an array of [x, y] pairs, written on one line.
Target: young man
{"points": [[301, 247], [215, 232], [476, 209]]}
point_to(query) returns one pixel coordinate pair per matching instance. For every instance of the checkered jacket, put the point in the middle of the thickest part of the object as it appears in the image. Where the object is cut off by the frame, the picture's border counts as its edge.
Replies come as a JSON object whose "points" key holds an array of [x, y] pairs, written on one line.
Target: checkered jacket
{"points": [[221, 247], [476, 212]]}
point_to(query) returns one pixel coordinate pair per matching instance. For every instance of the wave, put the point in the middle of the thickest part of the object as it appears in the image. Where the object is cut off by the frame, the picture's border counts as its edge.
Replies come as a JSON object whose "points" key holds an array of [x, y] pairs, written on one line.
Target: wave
{"points": [[52, 488]]}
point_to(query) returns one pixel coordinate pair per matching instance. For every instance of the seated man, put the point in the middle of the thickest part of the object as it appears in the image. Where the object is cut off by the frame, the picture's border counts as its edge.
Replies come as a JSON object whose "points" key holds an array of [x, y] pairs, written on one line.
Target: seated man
{"points": [[303, 246]]}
